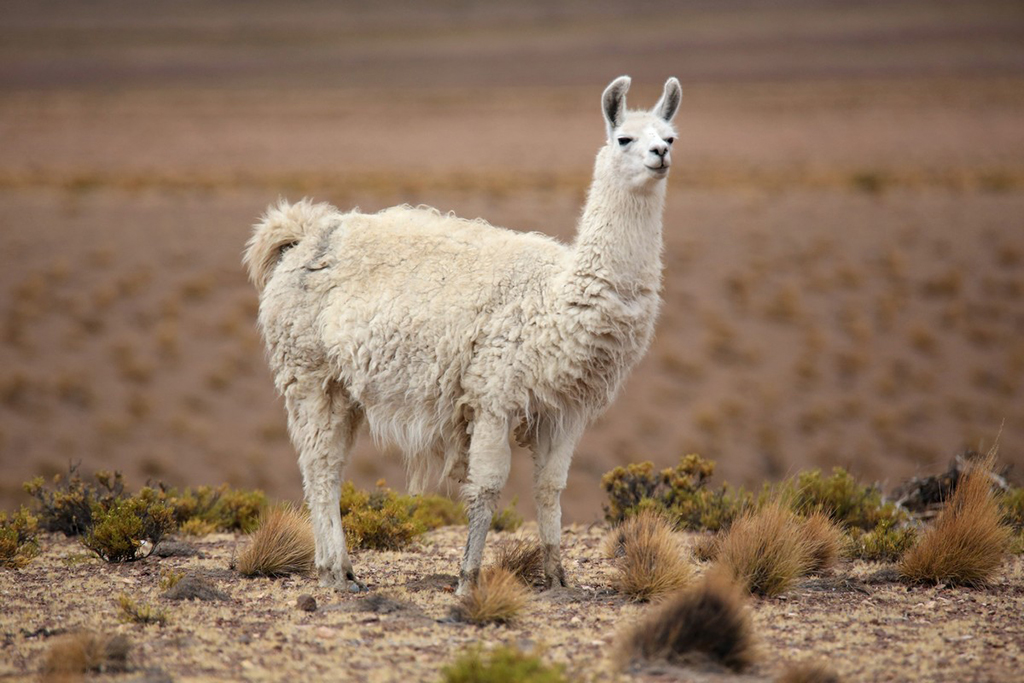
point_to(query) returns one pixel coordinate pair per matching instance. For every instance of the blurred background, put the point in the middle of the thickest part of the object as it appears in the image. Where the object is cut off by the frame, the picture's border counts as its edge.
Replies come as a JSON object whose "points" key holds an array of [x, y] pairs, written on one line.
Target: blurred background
{"points": [[844, 280]]}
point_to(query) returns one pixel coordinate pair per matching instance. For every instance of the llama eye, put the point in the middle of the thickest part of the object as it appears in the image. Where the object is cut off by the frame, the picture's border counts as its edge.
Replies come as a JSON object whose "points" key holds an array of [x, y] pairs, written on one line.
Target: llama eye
{"points": [[670, 140], [623, 141]]}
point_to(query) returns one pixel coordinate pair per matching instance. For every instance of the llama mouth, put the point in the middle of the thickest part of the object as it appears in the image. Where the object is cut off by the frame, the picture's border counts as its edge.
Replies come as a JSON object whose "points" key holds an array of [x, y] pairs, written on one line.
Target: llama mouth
{"points": [[658, 170]]}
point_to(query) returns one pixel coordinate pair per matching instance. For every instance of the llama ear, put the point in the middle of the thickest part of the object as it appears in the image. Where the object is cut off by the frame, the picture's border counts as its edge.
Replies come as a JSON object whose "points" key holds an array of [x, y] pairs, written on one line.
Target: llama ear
{"points": [[613, 103], [669, 103]]}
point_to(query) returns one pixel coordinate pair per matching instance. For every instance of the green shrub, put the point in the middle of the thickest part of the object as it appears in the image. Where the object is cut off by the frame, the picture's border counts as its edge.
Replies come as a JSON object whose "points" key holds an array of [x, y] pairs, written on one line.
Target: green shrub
{"points": [[385, 520], [508, 518], [505, 664], [206, 509], [848, 503], [433, 512], [17, 538], [68, 507], [681, 492], [119, 529], [885, 543]]}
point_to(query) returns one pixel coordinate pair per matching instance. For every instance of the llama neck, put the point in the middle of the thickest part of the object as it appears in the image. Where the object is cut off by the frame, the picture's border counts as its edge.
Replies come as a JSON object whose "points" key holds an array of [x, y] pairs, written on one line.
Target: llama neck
{"points": [[618, 240]]}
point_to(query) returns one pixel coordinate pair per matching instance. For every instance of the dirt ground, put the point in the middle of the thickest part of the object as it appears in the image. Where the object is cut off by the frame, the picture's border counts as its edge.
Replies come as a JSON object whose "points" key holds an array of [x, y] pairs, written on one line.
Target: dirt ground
{"points": [[858, 620], [844, 257]]}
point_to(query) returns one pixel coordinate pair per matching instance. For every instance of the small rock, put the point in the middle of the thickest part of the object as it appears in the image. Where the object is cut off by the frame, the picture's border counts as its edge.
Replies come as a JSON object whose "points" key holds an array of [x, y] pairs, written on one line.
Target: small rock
{"points": [[176, 549], [306, 603], [194, 587]]}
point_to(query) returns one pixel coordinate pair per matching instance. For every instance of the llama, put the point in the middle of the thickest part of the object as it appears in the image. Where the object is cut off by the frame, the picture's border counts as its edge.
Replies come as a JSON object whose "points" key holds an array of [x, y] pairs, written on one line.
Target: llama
{"points": [[447, 336]]}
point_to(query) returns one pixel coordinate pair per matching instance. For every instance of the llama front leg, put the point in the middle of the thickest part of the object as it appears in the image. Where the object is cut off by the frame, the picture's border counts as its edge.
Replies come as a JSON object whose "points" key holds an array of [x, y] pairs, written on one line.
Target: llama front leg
{"points": [[323, 429], [552, 453], [489, 461]]}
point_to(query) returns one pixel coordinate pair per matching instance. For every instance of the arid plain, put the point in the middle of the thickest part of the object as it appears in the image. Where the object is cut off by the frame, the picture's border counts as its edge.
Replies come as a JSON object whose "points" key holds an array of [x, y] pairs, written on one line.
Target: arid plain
{"points": [[844, 242]]}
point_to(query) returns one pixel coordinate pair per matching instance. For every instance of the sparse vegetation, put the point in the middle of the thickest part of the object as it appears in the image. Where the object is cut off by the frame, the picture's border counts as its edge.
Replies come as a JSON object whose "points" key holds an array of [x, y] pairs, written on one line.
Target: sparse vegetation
{"points": [[17, 539], [523, 558], [765, 550], [68, 507], [809, 672], [282, 544], [508, 518], [503, 664], [705, 622], [648, 557], [140, 613], [681, 492], [885, 543], [498, 597], [119, 530], [385, 520], [847, 502], [968, 540], [86, 652]]}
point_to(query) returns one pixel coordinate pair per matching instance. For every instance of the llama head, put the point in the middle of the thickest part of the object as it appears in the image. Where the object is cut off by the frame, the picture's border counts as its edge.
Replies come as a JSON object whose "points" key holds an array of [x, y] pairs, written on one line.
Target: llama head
{"points": [[639, 148]]}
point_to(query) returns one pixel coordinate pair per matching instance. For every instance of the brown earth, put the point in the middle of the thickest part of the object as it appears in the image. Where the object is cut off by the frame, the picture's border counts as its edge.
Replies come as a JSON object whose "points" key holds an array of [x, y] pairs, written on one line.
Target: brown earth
{"points": [[858, 620]]}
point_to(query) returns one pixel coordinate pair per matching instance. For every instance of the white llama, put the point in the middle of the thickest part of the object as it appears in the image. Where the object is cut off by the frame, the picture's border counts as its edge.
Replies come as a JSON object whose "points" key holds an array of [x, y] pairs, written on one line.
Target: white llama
{"points": [[447, 335]]}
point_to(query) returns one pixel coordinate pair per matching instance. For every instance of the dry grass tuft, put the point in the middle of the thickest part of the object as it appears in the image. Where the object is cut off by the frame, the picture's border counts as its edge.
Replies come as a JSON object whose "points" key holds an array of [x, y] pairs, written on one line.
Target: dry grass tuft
{"points": [[705, 547], [968, 541], [705, 622], [83, 652], [808, 672], [824, 541], [282, 544], [523, 558], [648, 556], [497, 598], [140, 612], [765, 551]]}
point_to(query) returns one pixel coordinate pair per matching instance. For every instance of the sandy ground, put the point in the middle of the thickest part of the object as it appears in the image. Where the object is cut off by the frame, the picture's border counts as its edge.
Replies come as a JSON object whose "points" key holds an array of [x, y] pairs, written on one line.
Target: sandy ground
{"points": [[858, 620]]}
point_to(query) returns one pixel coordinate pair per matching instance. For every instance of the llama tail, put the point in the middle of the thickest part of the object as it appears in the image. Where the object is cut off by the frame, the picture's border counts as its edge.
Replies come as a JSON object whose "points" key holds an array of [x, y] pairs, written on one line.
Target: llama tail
{"points": [[281, 227]]}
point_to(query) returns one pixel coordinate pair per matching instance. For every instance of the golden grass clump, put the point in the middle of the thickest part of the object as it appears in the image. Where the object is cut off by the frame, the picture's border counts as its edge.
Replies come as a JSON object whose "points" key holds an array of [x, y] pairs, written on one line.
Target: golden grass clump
{"points": [[84, 652], [968, 540], [140, 612], [706, 622], [282, 544], [523, 558], [808, 672], [824, 541], [498, 597], [649, 559], [765, 551]]}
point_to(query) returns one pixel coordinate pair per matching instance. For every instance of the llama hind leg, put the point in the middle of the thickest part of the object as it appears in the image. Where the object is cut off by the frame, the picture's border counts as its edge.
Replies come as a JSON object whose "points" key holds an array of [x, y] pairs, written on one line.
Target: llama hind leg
{"points": [[552, 453], [323, 427], [489, 462]]}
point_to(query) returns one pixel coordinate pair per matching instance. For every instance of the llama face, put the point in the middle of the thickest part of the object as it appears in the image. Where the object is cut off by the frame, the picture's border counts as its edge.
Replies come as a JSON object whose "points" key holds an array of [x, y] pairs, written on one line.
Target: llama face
{"points": [[640, 142]]}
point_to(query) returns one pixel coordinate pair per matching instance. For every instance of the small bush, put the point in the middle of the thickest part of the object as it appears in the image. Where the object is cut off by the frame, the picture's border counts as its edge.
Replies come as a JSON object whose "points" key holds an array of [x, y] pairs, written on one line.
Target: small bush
{"points": [[140, 613], [68, 507], [848, 503], [765, 551], [705, 622], [119, 529], [969, 539], [824, 540], [17, 539], [522, 558], [649, 561], [85, 652], [205, 509], [1012, 503], [381, 520], [507, 519], [434, 512], [386, 520], [681, 491], [505, 664], [885, 543], [282, 544], [498, 597]]}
